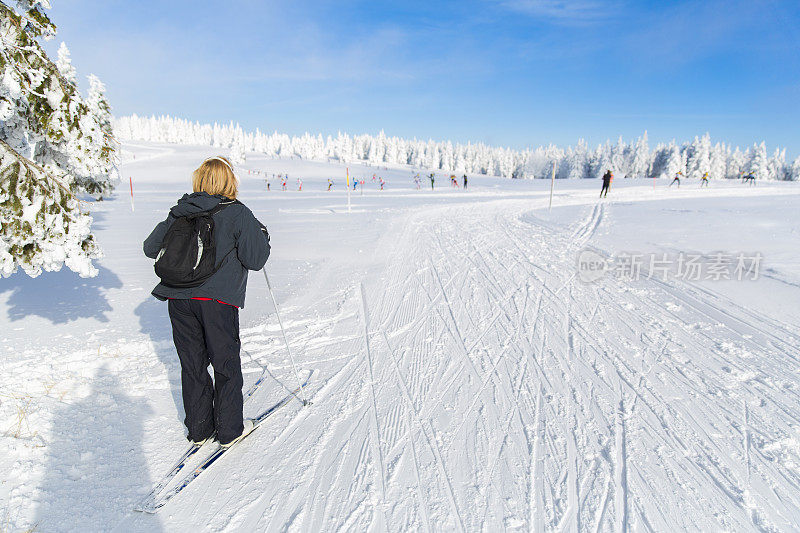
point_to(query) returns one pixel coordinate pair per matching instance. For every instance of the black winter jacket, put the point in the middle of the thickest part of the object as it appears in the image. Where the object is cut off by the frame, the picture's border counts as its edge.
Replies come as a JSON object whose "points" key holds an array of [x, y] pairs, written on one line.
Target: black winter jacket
{"points": [[240, 238]]}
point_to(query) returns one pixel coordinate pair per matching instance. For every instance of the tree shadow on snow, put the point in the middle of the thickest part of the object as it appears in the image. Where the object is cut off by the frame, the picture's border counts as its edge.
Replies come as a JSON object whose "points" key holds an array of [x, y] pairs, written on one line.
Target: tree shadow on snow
{"points": [[154, 322], [95, 469], [61, 296]]}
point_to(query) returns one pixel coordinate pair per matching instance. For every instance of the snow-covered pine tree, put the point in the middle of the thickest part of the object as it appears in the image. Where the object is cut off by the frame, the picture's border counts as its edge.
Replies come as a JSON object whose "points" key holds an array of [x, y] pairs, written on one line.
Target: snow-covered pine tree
{"points": [[759, 165], [102, 146], [53, 146], [699, 157], [717, 162], [237, 150], [64, 64], [794, 172], [777, 165], [640, 164], [736, 163], [673, 161]]}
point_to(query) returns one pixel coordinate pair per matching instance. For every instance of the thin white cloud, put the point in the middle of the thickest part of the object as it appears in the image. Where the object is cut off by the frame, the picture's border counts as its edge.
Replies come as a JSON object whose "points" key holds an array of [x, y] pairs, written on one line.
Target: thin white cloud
{"points": [[564, 11]]}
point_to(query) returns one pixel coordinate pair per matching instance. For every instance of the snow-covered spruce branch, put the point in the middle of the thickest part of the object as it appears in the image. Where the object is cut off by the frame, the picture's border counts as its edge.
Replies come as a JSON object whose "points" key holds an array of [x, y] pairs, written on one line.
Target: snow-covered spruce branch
{"points": [[634, 160], [42, 225]]}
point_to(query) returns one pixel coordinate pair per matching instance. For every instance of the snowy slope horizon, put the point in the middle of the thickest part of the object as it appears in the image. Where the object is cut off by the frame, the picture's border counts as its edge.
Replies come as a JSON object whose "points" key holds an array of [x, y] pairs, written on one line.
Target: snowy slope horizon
{"points": [[627, 160]]}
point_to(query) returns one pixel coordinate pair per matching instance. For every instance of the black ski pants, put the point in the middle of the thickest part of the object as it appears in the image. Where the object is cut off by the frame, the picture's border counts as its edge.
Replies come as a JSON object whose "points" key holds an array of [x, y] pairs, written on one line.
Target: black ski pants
{"points": [[206, 331], [605, 188]]}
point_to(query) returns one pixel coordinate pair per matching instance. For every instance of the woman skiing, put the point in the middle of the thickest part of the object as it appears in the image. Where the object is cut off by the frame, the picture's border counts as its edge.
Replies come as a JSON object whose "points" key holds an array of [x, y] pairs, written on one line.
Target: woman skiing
{"points": [[205, 317]]}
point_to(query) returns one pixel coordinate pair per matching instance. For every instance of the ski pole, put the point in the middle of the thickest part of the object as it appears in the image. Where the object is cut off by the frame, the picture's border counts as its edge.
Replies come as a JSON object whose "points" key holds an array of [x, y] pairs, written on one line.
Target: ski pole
{"points": [[283, 331]]}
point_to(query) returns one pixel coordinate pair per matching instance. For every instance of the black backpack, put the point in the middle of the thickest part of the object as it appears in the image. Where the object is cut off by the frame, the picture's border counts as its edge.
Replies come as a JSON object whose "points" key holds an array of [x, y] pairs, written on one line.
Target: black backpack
{"points": [[188, 250]]}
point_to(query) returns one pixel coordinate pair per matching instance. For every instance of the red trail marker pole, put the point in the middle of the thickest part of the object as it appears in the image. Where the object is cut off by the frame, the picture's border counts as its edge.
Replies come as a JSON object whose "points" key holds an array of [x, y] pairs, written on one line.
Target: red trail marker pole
{"points": [[130, 179]]}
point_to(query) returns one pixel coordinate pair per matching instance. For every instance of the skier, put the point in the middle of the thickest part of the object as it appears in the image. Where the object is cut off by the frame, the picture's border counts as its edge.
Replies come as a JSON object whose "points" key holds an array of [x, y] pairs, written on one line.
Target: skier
{"points": [[382, 182], [330, 183], [677, 179], [704, 180], [299, 184], [607, 177], [750, 178], [283, 183], [431, 177], [205, 318], [417, 181], [267, 180], [465, 182]]}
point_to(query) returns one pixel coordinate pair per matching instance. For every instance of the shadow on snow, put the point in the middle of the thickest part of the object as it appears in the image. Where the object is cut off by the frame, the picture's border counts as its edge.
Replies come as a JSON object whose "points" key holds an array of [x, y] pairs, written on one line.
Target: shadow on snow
{"points": [[95, 468], [60, 297]]}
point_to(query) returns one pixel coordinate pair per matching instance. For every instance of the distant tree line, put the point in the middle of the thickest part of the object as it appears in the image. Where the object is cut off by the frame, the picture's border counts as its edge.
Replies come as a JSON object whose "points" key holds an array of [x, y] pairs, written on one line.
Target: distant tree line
{"points": [[630, 160]]}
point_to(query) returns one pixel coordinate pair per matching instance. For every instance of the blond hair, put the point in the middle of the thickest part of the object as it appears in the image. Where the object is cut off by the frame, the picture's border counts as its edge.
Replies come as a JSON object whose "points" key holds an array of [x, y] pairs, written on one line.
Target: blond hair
{"points": [[215, 176]]}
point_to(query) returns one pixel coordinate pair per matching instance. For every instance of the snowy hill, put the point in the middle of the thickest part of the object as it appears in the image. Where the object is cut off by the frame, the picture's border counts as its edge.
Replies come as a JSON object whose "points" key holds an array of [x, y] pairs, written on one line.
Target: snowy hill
{"points": [[486, 387]]}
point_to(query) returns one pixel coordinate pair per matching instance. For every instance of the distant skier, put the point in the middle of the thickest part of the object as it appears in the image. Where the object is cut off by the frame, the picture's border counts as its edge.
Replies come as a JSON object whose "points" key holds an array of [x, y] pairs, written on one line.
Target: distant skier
{"points": [[205, 316], [267, 180], [465, 182], [750, 178], [283, 183], [677, 179], [382, 182], [607, 177], [432, 177], [355, 183], [330, 183], [704, 180], [417, 181], [299, 184]]}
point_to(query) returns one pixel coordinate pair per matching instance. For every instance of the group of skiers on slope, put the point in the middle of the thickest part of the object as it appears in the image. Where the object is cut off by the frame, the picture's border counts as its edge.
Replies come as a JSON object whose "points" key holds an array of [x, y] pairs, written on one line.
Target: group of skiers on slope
{"points": [[744, 178], [609, 176], [284, 178], [432, 178], [679, 175], [284, 181]]}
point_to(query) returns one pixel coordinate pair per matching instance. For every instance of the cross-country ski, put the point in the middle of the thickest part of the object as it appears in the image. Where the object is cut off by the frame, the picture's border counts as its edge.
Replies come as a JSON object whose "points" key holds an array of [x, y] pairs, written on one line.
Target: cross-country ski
{"points": [[157, 502]]}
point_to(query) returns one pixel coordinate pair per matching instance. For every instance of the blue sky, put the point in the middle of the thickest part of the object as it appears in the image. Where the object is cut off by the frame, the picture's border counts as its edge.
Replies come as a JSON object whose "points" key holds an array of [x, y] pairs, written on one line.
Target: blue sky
{"points": [[507, 72]]}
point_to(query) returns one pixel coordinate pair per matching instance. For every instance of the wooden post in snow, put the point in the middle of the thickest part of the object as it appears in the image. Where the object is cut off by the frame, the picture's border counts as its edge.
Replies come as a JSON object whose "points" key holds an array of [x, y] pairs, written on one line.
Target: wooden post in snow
{"points": [[347, 170]]}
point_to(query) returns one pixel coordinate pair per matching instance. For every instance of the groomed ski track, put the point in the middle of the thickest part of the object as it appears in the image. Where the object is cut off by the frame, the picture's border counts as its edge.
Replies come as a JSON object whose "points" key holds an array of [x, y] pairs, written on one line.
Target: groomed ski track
{"points": [[486, 388]]}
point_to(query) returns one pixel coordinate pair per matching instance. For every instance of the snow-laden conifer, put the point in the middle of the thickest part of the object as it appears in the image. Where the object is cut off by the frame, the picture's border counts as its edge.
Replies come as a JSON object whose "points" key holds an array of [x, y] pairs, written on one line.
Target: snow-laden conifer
{"points": [[55, 145], [64, 64]]}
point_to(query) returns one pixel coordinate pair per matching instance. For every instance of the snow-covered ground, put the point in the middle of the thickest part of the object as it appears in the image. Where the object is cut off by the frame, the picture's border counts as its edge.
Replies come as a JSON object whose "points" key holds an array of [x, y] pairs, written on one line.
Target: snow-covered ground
{"points": [[496, 389]]}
